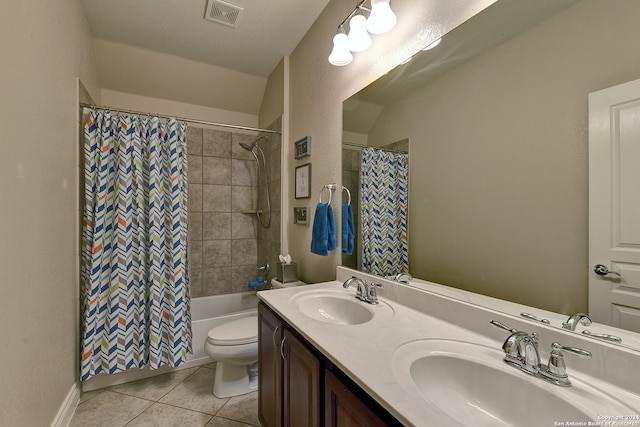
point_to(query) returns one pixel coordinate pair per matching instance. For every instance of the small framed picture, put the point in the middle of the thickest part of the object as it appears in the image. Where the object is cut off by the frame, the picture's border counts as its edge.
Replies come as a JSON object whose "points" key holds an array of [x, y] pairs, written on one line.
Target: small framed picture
{"points": [[303, 181], [301, 216], [302, 147]]}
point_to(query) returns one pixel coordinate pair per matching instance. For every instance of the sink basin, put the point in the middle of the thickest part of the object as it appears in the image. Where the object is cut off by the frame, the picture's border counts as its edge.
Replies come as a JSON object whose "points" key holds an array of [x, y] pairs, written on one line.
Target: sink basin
{"points": [[471, 385], [338, 307]]}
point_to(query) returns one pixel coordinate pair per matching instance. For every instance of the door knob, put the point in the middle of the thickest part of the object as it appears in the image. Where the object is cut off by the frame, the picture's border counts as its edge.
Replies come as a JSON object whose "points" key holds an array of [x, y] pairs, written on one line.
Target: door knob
{"points": [[602, 270]]}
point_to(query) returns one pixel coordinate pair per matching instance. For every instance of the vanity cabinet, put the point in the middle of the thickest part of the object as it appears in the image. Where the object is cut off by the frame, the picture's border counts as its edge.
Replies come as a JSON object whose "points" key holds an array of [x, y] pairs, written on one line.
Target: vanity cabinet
{"points": [[299, 387], [289, 376]]}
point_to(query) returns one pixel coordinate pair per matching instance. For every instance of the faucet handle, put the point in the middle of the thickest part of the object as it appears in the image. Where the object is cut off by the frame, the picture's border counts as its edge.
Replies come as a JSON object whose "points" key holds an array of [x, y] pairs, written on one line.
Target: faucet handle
{"points": [[372, 293], [556, 371], [503, 326]]}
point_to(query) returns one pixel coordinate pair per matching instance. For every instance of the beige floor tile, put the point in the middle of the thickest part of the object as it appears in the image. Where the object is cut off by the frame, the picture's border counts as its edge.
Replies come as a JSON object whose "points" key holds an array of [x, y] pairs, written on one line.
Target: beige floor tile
{"points": [[195, 393], [108, 409], [242, 408], [223, 422], [87, 395], [160, 415], [154, 388]]}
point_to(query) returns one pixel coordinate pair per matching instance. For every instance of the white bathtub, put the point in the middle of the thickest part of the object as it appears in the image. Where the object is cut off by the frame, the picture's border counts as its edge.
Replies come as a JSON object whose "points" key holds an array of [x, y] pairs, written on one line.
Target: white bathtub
{"points": [[206, 313]]}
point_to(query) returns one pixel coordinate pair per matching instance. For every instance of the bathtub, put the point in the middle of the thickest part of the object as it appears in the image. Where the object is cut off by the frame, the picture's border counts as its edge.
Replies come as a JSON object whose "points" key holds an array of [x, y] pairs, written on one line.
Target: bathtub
{"points": [[206, 313]]}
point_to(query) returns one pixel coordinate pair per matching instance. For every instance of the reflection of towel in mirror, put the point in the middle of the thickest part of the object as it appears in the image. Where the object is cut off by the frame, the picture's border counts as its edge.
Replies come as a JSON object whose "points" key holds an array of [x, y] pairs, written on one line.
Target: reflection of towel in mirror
{"points": [[347, 229], [323, 234]]}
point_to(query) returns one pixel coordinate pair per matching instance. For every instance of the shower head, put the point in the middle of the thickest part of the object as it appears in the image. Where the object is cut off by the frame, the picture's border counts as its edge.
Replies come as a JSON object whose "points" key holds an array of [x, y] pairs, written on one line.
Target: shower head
{"points": [[250, 147]]}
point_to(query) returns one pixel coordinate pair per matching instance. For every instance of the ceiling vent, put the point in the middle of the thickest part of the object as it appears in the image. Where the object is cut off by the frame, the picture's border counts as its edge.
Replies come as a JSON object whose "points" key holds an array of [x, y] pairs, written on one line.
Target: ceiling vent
{"points": [[223, 12]]}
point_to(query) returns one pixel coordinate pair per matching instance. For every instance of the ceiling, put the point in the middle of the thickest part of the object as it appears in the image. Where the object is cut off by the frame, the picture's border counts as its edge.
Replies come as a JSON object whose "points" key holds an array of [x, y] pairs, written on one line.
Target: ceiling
{"points": [[265, 30]]}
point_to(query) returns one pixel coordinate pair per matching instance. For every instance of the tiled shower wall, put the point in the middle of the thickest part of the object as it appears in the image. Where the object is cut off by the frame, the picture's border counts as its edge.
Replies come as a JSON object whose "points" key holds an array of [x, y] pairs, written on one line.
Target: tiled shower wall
{"points": [[224, 241]]}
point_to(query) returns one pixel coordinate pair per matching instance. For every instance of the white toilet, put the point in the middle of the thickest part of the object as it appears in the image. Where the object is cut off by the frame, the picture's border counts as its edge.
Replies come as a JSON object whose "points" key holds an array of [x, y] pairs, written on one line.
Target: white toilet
{"points": [[234, 345]]}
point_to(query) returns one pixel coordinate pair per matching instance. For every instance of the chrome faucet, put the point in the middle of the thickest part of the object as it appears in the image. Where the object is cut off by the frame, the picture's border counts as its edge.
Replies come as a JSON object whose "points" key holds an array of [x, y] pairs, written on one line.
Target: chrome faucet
{"points": [[399, 277], [521, 351], [366, 292], [372, 295], [574, 319], [556, 371], [361, 290]]}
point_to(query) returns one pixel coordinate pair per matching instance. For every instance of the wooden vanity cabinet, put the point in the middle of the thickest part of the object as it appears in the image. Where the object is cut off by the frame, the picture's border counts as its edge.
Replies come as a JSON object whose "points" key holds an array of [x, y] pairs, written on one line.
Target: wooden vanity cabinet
{"points": [[270, 368], [299, 387], [288, 376]]}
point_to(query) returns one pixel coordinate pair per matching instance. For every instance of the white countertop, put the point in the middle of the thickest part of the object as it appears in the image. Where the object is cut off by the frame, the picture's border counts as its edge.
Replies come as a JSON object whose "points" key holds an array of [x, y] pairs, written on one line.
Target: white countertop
{"points": [[365, 351]]}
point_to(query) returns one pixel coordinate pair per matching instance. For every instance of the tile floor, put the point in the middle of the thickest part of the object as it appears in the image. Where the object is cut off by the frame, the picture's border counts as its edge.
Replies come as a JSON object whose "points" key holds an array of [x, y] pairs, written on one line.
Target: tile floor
{"points": [[181, 398]]}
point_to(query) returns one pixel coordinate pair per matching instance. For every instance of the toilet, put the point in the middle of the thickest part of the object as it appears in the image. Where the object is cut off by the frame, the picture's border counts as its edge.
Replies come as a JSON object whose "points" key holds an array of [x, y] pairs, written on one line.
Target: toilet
{"points": [[234, 345]]}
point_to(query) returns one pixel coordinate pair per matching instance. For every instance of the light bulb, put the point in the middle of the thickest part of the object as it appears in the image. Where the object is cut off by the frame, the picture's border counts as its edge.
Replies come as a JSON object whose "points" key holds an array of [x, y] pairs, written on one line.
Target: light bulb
{"points": [[359, 39], [382, 18], [340, 54]]}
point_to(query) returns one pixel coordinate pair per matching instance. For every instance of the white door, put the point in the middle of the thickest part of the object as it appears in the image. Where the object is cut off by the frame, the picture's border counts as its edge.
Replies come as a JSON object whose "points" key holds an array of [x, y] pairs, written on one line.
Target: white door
{"points": [[614, 206]]}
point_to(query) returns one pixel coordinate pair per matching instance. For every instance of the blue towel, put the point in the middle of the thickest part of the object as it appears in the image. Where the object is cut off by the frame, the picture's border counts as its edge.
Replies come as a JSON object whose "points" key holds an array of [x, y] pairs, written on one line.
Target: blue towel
{"points": [[347, 229], [323, 234], [256, 284]]}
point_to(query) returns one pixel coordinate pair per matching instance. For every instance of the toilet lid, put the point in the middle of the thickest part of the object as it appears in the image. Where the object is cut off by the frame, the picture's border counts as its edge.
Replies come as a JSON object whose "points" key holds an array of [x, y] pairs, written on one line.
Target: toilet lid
{"points": [[241, 331]]}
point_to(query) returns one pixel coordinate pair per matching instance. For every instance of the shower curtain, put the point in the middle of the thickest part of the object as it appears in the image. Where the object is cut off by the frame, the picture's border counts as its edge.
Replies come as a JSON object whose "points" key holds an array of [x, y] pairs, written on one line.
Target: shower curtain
{"points": [[135, 287], [383, 195]]}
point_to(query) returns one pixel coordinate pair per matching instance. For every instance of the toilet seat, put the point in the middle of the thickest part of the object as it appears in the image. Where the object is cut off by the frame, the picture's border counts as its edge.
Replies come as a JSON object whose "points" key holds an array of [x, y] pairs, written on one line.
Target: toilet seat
{"points": [[236, 332]]}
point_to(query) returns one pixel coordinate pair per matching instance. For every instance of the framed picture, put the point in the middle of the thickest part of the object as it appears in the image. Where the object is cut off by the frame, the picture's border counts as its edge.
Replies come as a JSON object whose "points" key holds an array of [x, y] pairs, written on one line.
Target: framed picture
{"points": [[302, 147], [303, 181], [301, 216]]}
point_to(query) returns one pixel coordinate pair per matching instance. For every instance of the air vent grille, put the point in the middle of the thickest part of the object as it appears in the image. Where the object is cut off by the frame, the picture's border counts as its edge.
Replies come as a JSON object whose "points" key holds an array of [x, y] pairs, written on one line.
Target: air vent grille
{"points": [[223, 13]]}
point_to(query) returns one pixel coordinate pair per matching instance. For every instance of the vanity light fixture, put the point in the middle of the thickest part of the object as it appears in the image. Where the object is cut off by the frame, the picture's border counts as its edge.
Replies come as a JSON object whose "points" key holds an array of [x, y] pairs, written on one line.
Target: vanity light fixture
{"points": [[381, 19], [359, 38], [340, 55]]}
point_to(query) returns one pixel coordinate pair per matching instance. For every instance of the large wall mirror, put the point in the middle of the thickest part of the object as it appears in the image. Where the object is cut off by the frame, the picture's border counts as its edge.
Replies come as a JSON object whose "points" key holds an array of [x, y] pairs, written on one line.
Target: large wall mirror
{"points": [[495, 123]]}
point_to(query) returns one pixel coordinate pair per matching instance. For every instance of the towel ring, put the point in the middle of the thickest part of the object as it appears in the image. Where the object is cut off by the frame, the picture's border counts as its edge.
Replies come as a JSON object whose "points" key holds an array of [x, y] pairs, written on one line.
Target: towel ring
{"points": [[329, 187], [348, 194]]}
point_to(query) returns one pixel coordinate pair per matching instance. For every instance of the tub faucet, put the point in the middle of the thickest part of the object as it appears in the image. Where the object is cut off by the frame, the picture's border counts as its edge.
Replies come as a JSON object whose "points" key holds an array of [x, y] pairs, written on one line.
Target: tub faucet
{"points": [[574, 319]]}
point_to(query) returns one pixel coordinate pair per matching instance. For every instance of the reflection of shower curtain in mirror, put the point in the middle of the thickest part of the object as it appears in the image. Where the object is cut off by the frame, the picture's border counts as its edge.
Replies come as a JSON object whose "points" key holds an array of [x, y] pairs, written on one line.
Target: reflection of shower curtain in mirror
{"points": [[384, 179], [134, 291]]}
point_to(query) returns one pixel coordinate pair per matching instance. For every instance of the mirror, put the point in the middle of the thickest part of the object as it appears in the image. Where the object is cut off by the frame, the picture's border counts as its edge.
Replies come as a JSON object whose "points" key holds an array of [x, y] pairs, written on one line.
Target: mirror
{"points": [[497, 122]]}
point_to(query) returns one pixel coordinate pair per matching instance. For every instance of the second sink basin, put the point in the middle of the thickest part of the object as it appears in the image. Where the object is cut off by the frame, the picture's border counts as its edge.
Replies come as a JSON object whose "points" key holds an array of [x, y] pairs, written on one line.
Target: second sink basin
{"points": [[338, 307], [471, 385]]}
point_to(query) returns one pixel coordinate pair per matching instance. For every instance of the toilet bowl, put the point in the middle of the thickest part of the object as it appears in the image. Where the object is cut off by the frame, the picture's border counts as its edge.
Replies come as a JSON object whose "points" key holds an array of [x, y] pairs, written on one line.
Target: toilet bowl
{"points": [[234, 345]]}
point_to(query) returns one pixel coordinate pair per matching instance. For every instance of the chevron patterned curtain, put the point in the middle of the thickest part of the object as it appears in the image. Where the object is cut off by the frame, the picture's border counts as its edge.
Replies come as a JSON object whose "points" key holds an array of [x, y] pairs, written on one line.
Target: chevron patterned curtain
{"points": [[383, 210], [135, 288]]}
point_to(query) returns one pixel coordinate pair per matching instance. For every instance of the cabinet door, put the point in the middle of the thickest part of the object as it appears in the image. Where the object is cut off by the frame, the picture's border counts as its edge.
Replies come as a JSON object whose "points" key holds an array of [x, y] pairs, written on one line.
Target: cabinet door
{"points": [[301, 384], [343, 408], [269, 368]]}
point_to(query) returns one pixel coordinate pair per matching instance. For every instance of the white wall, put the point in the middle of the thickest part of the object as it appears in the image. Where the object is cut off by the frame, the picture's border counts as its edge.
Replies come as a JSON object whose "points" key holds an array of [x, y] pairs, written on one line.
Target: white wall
{"points": [[317, 90], [45, 47]]}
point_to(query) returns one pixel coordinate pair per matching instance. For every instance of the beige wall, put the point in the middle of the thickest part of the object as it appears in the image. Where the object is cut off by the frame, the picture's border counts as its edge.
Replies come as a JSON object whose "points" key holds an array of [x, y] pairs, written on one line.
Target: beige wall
{"points": [[272, 107], [317, 90], [158, 75], [499, 150], [45, 47]]}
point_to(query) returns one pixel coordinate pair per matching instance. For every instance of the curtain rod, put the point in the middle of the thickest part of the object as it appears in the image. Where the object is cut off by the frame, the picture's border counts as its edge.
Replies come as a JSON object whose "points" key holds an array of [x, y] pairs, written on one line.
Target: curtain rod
{"points": [[391, 150], [164, 116]]}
